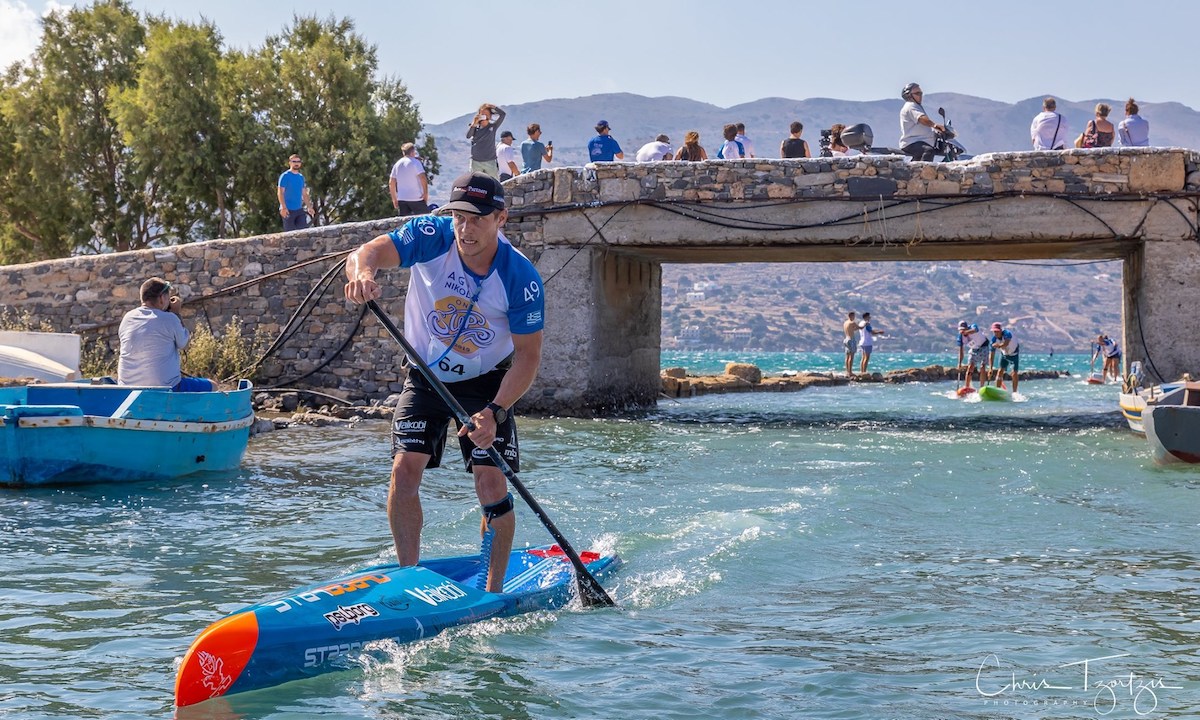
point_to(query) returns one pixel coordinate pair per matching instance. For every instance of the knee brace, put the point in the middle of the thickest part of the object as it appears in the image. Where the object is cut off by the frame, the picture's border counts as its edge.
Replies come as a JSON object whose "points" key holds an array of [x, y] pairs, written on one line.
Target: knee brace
{"points": [[498, 509]]}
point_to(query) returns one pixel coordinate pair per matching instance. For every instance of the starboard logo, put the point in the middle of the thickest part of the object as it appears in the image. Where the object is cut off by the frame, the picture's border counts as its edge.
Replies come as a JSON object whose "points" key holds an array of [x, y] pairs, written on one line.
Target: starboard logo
{"points": [[353, 614], [215, 678], [445, 592]]}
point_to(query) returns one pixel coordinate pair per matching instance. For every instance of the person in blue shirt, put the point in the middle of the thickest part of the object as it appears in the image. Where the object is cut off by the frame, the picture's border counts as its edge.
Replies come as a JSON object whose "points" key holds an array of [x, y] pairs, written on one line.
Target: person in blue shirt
{"points": [[533, 152], [295, 207], [603, 148]]}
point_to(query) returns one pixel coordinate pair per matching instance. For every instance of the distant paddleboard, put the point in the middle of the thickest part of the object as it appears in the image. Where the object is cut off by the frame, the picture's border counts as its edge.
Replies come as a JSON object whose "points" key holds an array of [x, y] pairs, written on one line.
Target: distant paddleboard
{"points": [[991, 392]]}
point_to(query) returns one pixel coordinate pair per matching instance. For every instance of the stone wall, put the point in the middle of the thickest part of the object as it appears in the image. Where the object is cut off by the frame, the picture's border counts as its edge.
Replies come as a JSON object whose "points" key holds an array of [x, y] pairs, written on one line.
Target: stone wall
{"points": [[603, 281]]}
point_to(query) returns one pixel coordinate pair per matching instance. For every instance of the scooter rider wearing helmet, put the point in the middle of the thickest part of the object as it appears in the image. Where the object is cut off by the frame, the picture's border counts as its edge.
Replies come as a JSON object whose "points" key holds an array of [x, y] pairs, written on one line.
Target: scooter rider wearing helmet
{"points": [[918, 134]]}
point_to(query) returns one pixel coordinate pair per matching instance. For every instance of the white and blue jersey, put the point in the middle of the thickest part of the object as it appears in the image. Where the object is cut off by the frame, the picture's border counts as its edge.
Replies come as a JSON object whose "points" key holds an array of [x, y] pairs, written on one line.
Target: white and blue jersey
{"points": [[1110, 348], [462, 323], [1010, 345]]}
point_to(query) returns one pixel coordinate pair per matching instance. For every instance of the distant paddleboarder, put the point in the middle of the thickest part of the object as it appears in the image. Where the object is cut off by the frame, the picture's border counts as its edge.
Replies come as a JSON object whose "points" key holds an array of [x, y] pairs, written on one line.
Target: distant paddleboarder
{"points": [[850, 327], [866, 340]]}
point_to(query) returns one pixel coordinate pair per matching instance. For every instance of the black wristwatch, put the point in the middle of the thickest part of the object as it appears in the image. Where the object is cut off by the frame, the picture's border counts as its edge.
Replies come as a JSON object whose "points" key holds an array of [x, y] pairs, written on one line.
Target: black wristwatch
{"points": [[498, 412]]}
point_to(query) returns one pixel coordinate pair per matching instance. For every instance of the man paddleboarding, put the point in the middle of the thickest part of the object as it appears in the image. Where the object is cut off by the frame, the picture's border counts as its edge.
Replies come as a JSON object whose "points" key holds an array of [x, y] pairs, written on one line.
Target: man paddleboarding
{"points": [[475, 310]]}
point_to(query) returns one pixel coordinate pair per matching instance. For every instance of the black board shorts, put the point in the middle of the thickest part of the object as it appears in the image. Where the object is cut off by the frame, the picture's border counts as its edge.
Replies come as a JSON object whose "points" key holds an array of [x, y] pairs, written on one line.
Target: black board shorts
{"points": [[421, 419]]}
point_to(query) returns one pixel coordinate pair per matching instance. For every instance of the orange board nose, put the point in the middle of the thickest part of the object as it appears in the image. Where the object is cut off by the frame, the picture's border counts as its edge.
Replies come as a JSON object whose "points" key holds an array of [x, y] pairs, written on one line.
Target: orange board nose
{"points": [[214, 662]]}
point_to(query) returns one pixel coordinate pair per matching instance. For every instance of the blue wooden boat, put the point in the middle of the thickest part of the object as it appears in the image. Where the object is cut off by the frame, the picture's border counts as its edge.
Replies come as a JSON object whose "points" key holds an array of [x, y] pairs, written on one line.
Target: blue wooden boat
{"points": [[79, 432], [312, 630]]}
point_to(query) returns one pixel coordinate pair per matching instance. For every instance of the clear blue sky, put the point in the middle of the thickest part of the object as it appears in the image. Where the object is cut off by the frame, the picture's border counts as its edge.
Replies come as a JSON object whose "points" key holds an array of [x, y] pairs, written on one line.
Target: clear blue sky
{"points": [[455, 55]]}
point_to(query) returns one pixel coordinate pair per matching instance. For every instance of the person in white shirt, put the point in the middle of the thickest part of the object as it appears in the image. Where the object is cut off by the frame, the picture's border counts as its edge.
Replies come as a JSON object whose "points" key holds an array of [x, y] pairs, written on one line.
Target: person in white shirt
{"points": [[151, 337], [659, 149], [1049, 130], [731, 149], [918, 134], [506, 157], [747, 145], [408, 184], [1134, 131]]}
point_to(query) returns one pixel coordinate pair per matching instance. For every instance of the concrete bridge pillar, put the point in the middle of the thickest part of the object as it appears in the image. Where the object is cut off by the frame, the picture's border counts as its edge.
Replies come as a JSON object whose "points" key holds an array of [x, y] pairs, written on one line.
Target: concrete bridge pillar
{"points": [[1162, 296], [603, 311]]}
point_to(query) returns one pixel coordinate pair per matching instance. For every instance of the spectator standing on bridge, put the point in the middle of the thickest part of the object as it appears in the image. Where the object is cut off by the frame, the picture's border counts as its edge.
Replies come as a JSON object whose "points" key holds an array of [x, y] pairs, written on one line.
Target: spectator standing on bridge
{"points": [[692, 150], [482, 134], [1049, 129], [152, 336], [747, 145], [533, 152], [1134, 131], [603, 148], [866, 341], [793, 145], [295, 207], [731, 149], [657, 149], [506, 157], [408, 185]]}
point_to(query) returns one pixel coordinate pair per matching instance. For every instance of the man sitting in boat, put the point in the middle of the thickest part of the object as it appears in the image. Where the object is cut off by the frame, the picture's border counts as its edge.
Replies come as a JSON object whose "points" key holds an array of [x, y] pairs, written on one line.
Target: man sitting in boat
{"points": [[977, 345], [1111, 350], [1010, 354], [151, 337]]}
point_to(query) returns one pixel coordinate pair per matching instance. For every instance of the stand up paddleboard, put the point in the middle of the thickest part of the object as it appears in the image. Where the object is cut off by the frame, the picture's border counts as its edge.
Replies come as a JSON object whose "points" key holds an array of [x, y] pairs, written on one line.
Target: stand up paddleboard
{"points": [[1095, 379], [964, 391], [308, 631], [991, 392]]}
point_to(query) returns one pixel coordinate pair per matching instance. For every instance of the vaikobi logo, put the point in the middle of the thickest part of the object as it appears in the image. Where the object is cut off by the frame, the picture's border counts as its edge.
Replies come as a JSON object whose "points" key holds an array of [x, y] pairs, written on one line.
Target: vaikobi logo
{"points": [[353, 614]]}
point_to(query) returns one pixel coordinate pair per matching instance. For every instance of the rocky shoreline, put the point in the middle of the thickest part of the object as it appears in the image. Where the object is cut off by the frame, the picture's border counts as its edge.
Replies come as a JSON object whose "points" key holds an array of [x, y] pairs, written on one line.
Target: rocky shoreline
{"points": [[744, 377]]}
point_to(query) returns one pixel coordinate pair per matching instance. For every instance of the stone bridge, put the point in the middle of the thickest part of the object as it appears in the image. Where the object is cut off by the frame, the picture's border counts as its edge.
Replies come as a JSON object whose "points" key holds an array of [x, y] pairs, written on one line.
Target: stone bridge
{"points": [[600, 234]]}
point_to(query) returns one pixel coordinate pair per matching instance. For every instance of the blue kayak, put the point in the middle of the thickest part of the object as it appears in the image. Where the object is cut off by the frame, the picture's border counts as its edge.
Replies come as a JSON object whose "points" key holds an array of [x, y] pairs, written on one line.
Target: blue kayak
{"points": [[308, 631]]}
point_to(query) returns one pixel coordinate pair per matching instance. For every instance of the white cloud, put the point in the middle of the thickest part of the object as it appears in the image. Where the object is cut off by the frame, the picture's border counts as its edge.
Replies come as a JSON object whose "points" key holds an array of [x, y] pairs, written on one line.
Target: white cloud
{"points": [[20, 29]]}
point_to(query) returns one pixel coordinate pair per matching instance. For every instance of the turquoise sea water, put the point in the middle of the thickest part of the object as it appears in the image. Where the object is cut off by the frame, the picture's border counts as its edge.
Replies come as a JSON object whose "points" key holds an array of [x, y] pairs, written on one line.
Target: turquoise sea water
{"points": [[864, 551]]}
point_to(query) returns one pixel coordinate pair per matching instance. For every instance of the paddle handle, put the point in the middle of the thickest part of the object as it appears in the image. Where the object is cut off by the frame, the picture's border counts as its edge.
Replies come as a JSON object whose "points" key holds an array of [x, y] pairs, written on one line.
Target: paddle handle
{"points": [[590, 590]]}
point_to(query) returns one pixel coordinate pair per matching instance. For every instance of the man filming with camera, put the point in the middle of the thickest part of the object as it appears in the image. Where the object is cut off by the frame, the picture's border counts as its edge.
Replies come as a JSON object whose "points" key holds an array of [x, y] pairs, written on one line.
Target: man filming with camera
{"points": [[151, 337]]}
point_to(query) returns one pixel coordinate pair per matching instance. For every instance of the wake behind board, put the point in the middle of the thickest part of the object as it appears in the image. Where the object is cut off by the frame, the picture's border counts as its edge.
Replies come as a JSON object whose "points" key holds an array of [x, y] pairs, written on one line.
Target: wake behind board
{"points": [[991, 392], [308, 631]]}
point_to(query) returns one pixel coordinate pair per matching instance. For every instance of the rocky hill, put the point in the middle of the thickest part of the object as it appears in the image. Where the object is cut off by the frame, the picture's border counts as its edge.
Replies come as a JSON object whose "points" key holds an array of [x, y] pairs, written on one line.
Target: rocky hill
{"points": [[800, 307]]}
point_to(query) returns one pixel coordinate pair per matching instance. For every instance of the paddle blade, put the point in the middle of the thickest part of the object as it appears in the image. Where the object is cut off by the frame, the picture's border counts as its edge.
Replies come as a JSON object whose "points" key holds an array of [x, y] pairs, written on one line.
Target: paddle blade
{"points": [[590, 591]]}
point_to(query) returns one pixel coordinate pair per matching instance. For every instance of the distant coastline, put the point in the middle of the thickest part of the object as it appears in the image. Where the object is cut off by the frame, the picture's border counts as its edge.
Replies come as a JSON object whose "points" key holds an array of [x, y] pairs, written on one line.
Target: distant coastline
{"points": [[744, 377]]}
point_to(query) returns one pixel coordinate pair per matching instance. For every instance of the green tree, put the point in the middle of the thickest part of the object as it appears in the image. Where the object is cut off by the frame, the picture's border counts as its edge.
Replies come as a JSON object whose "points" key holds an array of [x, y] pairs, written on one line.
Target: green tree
{"points": [[175, 127], [119, 135], [68, 183]]}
